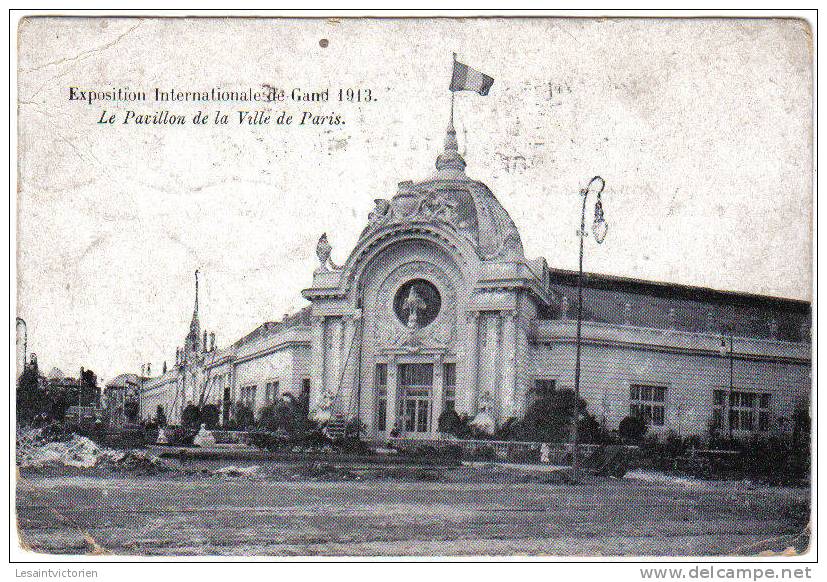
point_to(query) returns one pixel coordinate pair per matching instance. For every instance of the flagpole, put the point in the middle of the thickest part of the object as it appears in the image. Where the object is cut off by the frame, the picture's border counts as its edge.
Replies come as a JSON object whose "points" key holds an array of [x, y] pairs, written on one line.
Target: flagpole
{"points": [[452, 91]]}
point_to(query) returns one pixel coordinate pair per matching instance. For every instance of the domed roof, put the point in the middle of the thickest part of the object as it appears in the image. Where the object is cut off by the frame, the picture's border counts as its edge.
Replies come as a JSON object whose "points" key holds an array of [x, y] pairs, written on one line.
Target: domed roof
{"points": [[123, 381], [451, 198]]}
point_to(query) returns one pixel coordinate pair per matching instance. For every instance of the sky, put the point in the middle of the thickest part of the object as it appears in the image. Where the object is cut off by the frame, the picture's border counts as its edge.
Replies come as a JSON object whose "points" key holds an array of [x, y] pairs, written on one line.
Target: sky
{"points": [[700, 128]]}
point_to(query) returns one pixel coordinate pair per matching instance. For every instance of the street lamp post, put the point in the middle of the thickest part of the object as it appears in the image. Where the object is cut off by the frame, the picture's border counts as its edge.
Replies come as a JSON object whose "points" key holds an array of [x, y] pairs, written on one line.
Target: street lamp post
{"points": [[730, 331], [599, 228]]}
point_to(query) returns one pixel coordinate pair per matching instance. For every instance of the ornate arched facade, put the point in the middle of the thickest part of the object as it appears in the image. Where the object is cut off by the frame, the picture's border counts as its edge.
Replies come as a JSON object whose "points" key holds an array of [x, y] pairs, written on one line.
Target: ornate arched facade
{"points": [[432, 309]]}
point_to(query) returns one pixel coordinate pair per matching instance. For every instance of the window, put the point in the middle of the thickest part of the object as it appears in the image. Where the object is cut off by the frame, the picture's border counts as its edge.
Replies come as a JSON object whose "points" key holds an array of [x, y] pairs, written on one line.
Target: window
{"points": [[420, 377], [749, 411], [248, 396], [271, 392], [648, 403], [741, 416], [381, 381], [449, 375], [764, 413]]}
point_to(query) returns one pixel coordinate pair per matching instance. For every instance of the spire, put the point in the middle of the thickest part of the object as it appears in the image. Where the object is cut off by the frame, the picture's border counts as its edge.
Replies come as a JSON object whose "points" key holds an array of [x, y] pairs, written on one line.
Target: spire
{"points": [[193, 338], [450, 159], [196, 291]]}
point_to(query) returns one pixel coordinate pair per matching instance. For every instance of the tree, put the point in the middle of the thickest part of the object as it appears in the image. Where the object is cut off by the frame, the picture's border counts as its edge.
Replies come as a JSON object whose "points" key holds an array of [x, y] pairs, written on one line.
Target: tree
{"points": [[160, 416], [632, 429], [31, 398], [191, 417], [452, 423], [210, 415], [549, 419], [288, 415], [89, 391], [131, 410], [243, 416]]}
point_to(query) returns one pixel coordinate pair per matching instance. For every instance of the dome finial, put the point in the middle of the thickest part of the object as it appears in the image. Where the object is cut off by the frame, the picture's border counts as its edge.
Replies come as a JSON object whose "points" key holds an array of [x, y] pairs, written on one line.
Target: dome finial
{"points": [[450, 158]]}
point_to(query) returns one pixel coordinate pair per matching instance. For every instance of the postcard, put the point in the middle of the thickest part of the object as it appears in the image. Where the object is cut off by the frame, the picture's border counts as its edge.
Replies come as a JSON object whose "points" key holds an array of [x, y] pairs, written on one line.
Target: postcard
{"points": [[406, 287]]}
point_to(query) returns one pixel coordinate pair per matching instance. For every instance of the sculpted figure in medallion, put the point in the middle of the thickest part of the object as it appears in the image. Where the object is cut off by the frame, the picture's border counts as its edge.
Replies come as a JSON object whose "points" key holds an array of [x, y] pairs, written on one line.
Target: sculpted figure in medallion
{"points": [[413, 304]]}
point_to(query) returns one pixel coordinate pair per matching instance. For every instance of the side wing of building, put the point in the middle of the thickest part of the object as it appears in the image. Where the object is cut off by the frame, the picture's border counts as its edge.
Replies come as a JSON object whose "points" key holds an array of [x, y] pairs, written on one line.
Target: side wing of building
{"points": [[690, 361]]}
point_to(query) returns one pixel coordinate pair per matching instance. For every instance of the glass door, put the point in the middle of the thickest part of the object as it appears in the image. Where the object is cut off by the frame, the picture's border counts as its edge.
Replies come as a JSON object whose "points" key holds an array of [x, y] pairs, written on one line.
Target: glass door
{"points": [[416, 382]]}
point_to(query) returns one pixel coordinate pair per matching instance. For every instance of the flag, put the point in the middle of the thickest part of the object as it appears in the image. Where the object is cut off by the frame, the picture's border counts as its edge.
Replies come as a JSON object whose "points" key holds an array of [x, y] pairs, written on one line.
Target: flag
{"points": [[467, 79]]}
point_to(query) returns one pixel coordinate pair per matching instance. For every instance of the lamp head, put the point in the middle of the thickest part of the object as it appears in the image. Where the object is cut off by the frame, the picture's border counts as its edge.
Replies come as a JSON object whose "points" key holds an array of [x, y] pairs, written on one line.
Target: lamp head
{"points": [[599, 227]]}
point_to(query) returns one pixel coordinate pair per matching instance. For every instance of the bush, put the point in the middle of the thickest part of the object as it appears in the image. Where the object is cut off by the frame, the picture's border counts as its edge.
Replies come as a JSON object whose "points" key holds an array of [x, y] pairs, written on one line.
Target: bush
{"points": [[176, 435], [591, 431], [632, 429], [270, 419], [549, 420], [160, 416], [768, 459], [509, 430], [131, 410], [452, 423], [210, 415], [352, 445], [289, 416], [268, 441], [191, 417], [242, 417]]}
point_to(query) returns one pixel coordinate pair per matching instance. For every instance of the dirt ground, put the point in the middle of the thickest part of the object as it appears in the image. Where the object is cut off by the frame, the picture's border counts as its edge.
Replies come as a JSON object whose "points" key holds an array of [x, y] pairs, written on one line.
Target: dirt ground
{"points": [[447, 512]]}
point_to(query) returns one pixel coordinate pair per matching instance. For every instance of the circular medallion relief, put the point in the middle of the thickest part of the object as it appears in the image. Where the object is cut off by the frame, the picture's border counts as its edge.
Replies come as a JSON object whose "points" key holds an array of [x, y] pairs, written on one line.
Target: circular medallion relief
{"points": [[417, 303]]}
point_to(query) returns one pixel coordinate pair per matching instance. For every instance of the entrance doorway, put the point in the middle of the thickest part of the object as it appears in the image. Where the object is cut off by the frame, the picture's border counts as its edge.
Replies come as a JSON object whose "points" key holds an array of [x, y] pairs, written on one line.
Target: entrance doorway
{"points": [[416, 382]]}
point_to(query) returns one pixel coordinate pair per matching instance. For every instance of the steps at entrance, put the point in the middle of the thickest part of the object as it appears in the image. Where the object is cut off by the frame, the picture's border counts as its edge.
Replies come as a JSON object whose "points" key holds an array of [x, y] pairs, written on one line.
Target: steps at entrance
{"points": [[336, 427]]}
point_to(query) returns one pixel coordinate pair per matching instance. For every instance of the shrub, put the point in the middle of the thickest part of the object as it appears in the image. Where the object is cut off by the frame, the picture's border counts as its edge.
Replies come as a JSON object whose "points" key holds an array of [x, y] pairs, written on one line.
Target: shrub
{"points": [[160, 416], [210, 415], [426, 452], [288, 415], [549, 419], [452, 423], [131, 410], [355, 428], [767, 459], [352, 445], [270, 418], [800, 445], [242, 416], [268, 441], [591, 431], [632, 429], [509, 430], [194, 416], [191, 417]]}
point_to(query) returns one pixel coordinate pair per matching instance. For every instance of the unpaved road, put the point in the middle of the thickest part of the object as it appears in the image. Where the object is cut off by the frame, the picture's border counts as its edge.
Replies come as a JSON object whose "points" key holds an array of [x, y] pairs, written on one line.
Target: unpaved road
{"points": [[197, 515]]}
